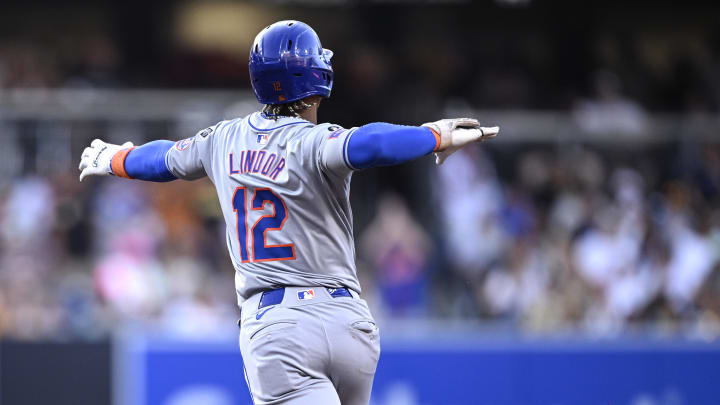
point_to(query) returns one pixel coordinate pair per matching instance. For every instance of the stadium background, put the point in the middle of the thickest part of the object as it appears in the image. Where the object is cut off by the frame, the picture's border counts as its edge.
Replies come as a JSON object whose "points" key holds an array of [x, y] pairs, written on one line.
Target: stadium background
{"points": [[573, 260]]}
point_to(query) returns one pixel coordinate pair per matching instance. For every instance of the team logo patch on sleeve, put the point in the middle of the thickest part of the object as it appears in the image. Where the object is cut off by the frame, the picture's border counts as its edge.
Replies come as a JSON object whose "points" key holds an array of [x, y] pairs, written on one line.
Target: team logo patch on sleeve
{"points": [[183, 144], [335, 131], [305, 295], [262, 139]]}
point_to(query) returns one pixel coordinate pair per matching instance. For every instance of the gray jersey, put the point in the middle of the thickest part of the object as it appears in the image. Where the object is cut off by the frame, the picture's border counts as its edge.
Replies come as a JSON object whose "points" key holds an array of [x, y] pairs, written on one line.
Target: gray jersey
{"points": [[284, 191]]}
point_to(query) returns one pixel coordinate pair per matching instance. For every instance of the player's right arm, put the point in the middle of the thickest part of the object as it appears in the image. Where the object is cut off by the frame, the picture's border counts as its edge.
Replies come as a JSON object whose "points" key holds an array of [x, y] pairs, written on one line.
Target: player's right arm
{"points": [[157, 161]]}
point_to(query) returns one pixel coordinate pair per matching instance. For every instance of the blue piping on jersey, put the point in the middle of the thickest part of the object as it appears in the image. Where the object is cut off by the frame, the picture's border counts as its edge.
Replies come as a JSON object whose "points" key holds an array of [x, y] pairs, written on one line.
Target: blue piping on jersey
{"points": [[272, 129], [345, 151]]}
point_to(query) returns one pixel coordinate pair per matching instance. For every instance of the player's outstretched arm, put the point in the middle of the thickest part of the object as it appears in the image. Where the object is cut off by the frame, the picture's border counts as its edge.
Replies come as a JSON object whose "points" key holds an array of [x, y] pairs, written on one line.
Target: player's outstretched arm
{"points": [[146, 162], [381, 144]]}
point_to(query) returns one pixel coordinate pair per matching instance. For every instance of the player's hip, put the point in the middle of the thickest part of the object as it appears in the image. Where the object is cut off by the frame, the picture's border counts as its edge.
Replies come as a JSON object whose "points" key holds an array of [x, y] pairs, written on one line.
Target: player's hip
{"points": [[323, 300], [292, 338], [310, 310], [252, 279], [317, 332]]}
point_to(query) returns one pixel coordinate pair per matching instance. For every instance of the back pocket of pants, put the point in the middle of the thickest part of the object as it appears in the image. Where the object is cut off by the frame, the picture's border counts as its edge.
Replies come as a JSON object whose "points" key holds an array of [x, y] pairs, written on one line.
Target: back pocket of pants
{"points": [[368, 330], [272, 327], [367, 336], [367, 327], [275, 361]]}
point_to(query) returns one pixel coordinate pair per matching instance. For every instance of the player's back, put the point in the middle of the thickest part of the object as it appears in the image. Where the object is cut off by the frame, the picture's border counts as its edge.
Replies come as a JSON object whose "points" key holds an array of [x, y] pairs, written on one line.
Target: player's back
{"points": [[284, 196]]}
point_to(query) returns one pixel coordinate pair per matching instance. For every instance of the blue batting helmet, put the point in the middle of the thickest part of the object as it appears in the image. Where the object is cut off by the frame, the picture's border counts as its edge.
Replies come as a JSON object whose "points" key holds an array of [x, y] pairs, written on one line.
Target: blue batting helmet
{"points": [[287, 63]]}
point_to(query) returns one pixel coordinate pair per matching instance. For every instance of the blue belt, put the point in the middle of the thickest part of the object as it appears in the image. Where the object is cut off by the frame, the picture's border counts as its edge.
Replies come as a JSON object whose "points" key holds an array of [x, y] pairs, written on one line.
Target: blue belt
{"points": [[274, 297]]}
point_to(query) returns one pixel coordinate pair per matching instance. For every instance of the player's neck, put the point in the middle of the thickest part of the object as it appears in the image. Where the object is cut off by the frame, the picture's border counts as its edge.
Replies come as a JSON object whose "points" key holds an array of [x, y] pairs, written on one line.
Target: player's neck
{"points": [[310, 114]]}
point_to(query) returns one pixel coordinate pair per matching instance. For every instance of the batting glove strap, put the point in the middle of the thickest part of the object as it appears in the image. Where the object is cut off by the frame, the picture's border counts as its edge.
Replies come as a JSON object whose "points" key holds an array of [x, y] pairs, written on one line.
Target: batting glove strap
{"points": [[438, 138], [443, 130], [117, 164]]}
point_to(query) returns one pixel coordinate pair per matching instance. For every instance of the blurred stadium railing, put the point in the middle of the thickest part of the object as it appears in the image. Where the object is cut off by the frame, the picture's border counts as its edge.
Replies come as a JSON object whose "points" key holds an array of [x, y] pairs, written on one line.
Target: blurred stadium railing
{"points": [[197, 108]]}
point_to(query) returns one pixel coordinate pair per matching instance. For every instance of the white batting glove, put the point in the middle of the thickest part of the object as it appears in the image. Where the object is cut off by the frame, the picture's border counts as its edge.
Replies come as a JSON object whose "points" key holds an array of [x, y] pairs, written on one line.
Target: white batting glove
{"points": [[96, 158], [455, 133]]}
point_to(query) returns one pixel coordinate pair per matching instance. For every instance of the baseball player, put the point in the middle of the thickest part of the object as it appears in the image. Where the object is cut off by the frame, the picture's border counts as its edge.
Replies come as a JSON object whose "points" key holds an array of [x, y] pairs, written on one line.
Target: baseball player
{"points": [[283, 181]]}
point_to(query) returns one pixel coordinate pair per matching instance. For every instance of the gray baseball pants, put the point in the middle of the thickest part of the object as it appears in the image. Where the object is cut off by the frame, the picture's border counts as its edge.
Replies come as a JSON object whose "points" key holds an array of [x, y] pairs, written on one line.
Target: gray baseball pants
{"points": [[309, 351]]}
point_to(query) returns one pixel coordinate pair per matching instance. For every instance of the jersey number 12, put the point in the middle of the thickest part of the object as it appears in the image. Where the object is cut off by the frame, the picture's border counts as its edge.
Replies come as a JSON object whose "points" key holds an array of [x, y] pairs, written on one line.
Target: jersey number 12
{"points": [[261, 251]]}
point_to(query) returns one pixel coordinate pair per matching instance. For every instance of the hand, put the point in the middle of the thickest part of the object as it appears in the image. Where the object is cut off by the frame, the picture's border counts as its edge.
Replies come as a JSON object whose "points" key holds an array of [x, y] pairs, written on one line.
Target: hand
{"points": [[457, 132], [96, 158]]}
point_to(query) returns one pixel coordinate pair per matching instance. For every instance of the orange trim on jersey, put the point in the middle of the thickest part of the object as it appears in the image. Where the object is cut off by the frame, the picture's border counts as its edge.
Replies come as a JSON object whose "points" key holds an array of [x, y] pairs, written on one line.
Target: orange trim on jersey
{"points": [[262, 207], [437, 138], [117, 164]]}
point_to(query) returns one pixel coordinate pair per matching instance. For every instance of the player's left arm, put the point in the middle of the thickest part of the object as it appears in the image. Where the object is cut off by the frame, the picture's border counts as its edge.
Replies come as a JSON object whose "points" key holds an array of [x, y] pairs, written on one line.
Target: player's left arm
{"points": [[382, 144]]}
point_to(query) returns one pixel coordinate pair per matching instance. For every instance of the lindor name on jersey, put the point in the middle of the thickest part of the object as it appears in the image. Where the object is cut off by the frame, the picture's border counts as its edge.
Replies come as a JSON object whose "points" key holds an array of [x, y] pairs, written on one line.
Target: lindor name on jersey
{"points": [[256, 161]]}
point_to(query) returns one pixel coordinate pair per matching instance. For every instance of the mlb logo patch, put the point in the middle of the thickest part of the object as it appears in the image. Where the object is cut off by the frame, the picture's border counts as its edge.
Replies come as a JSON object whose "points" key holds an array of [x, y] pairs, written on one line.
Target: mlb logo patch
{"points": [[262, 139], [305, 295]]}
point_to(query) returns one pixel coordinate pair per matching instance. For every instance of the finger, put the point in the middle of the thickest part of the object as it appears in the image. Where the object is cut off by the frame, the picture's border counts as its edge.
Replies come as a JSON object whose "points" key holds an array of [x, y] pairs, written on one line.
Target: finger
{"points": [[95, 143], [441, 157], [489, 132], [84, 173], [84, 158], [467, 123], [462, 136]]}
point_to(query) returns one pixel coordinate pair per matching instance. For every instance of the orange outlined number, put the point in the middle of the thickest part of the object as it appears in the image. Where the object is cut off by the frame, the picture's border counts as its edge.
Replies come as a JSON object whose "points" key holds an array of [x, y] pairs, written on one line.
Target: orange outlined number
{"points": [[241, 221], [276, 86], [261, 251]]}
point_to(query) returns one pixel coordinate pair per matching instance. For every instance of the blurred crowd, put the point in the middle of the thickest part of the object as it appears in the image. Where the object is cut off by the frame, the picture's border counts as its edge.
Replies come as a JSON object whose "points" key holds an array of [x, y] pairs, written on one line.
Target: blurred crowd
{"points": [[82, 260], [543, 240], [580, 239], [561, 240]]}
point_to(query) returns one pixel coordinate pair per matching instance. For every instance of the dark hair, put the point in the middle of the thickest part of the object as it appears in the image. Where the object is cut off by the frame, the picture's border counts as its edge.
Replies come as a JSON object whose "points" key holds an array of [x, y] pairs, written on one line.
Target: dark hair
{"points": [[293, 109]]}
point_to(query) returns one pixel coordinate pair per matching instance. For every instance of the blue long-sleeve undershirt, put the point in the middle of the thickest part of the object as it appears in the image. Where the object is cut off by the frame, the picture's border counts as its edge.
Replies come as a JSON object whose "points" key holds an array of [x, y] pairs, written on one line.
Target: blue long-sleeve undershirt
{"points": [[147, 162], [382, 144]]}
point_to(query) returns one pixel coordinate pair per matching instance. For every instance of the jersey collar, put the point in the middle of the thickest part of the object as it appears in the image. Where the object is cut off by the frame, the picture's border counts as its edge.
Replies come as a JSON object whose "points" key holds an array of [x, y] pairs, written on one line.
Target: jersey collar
{"points": [[259, 121]]}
